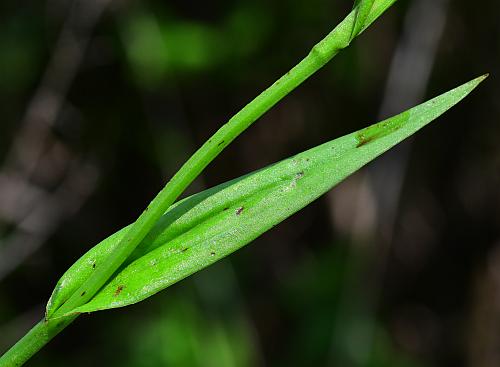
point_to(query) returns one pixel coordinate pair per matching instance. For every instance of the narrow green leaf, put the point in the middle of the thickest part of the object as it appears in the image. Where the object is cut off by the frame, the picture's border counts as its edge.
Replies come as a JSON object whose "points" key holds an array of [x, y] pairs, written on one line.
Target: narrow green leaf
{"points": [[206, 227], [362, 10]]}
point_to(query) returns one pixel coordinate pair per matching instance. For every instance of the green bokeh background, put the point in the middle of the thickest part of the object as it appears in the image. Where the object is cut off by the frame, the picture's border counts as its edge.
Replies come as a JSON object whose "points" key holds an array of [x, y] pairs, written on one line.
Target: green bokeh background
{"points": [[341, 283]]}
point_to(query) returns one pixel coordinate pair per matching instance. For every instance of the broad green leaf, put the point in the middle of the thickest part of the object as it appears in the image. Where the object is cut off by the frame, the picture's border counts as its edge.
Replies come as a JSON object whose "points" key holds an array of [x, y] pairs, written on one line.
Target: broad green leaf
{"points": [[208, 226]]}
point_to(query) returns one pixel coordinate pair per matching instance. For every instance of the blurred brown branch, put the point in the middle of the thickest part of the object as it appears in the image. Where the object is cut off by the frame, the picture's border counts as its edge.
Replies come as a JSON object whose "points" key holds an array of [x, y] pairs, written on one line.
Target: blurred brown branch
{"points": [[38, 160]]}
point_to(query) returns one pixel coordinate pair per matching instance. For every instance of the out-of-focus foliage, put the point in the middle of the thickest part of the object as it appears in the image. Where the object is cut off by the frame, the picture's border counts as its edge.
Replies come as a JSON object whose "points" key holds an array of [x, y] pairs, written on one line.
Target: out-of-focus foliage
{"points": [[160, 47], [419, 292]]}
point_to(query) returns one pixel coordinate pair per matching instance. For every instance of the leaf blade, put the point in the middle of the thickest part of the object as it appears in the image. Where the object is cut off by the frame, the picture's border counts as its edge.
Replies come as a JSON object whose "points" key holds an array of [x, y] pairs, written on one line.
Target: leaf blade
{"points": [[288, 186]]}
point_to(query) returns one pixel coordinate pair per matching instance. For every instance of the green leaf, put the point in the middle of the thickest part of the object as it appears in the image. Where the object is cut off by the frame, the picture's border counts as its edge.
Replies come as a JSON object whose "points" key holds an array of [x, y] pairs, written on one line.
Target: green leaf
{"points": [[204, 228]]}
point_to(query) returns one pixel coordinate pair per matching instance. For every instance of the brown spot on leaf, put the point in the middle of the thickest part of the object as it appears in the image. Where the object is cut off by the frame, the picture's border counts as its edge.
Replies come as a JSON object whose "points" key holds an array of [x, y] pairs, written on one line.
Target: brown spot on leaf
{"points": [[239, 210], [119, 289]]}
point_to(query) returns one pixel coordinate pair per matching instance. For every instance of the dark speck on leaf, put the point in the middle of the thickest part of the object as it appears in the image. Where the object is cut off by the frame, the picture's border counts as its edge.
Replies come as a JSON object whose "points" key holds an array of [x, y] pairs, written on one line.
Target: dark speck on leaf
{"points": [[185, 249], [226, 208], [119, 290], [83, 294], [93, 266], [222, 142], [239, 210], [212, 253]]}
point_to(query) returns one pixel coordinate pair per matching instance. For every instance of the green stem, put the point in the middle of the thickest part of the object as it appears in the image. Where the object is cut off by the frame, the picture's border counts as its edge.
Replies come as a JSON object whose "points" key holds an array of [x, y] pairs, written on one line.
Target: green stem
{"points": [[33, 341], [320, 54]]}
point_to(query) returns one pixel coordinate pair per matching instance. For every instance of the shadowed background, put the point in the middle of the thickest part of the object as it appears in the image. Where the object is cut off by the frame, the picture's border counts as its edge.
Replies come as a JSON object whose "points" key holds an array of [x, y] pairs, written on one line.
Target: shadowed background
{"points": [[101, 101]]}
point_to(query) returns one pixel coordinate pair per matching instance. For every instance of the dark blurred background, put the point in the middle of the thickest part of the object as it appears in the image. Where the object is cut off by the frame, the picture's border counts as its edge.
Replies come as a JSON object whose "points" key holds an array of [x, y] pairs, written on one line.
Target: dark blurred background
{"points": [[101, 101]]}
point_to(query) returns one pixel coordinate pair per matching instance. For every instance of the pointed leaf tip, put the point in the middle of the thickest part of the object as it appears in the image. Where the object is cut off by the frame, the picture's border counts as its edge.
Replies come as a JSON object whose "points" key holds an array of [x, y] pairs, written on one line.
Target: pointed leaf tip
{"points": [[479, 79]]}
